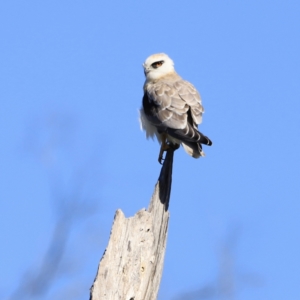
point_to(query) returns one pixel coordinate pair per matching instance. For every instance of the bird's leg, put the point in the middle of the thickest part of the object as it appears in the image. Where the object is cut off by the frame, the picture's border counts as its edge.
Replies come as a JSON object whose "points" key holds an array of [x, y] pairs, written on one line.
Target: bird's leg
{"points": [[164, 147]]}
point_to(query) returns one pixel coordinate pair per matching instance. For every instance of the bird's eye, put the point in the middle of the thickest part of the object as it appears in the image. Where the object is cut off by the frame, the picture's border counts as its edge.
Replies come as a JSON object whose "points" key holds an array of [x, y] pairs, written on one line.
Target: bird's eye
{"points": [[157, 64]]}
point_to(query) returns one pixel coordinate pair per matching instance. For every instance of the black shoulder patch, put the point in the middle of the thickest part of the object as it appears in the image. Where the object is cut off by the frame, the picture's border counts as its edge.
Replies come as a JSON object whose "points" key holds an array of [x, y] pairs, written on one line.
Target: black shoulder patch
{"points": [[149, 106]]}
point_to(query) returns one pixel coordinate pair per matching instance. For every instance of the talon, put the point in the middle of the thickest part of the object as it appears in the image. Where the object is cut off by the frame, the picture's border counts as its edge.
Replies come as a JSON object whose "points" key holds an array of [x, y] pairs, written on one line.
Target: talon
{"points": [[160, 159], [164, 147]]}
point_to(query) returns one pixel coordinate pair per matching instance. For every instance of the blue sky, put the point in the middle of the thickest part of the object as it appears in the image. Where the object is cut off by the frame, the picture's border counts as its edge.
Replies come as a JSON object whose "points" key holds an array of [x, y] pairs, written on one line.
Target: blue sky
{"points": [[70, 87]]}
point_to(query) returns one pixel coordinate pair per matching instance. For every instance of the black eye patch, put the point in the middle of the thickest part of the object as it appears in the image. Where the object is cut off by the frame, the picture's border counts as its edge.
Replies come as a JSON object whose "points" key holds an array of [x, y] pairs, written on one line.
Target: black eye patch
{"points": [[157, 64]]}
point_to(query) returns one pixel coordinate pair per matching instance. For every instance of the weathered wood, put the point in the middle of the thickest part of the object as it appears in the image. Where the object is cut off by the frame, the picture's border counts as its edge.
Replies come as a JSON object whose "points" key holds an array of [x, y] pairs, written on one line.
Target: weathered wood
{"points": [[132, 265]]}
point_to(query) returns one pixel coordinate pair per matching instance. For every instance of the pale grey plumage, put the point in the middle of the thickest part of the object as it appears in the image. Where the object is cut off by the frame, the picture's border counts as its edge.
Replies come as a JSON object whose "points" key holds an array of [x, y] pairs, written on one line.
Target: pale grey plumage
{"points": [[175, 97], [171, 105]]}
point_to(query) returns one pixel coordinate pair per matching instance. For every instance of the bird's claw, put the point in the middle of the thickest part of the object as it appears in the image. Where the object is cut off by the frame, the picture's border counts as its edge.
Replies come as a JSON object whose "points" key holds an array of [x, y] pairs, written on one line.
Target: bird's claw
{"points": [[165, 148], [160, 160]]}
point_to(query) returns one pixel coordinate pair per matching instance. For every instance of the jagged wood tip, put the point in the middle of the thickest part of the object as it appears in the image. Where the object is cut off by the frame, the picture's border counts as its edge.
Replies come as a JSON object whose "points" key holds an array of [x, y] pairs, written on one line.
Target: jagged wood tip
{"points": [[132, 264]]}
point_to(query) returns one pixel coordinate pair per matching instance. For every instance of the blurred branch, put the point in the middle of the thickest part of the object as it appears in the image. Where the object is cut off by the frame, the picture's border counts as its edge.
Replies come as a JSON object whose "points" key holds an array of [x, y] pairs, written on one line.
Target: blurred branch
{"points": [[69, 202], [37, 283]]}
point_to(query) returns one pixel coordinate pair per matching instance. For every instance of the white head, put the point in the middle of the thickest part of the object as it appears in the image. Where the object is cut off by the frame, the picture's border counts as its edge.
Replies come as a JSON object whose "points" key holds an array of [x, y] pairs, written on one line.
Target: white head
{"points": [[158, 65]]}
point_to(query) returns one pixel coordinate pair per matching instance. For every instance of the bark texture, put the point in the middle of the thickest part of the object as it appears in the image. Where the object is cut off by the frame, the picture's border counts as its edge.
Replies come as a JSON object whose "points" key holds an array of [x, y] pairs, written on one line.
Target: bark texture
{"points": [[132, 264]]}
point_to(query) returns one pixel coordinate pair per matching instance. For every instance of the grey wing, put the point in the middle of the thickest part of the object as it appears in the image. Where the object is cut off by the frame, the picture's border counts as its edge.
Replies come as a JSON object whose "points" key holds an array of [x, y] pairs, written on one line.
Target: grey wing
{"points": [[190, 95], [176, 104], [168, 109], [175, 108]]}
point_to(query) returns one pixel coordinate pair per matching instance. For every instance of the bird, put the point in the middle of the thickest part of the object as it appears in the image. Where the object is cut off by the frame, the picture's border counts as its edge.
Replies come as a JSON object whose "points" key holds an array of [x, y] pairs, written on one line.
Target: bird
{"points": [[171, 108]]}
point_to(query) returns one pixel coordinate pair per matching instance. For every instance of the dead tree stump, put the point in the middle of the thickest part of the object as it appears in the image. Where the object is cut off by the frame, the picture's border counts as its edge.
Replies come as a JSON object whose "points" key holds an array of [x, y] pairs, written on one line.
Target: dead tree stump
{"points": [[132, 264]]}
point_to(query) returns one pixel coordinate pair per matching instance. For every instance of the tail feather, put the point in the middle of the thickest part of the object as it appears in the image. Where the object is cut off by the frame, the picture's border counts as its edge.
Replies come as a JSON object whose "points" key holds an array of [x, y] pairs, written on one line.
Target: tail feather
{"points": [[193, 149], [189, 134], [191, 140]]}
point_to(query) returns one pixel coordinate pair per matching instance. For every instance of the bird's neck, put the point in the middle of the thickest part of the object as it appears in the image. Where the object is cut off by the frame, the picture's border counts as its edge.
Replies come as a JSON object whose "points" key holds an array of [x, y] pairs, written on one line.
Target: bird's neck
{"points": [[172, 76]]}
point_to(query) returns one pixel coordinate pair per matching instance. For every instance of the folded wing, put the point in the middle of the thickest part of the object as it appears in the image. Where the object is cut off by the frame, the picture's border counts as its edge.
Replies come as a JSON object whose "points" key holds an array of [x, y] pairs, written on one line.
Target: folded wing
{"points": [[175, 108]]}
